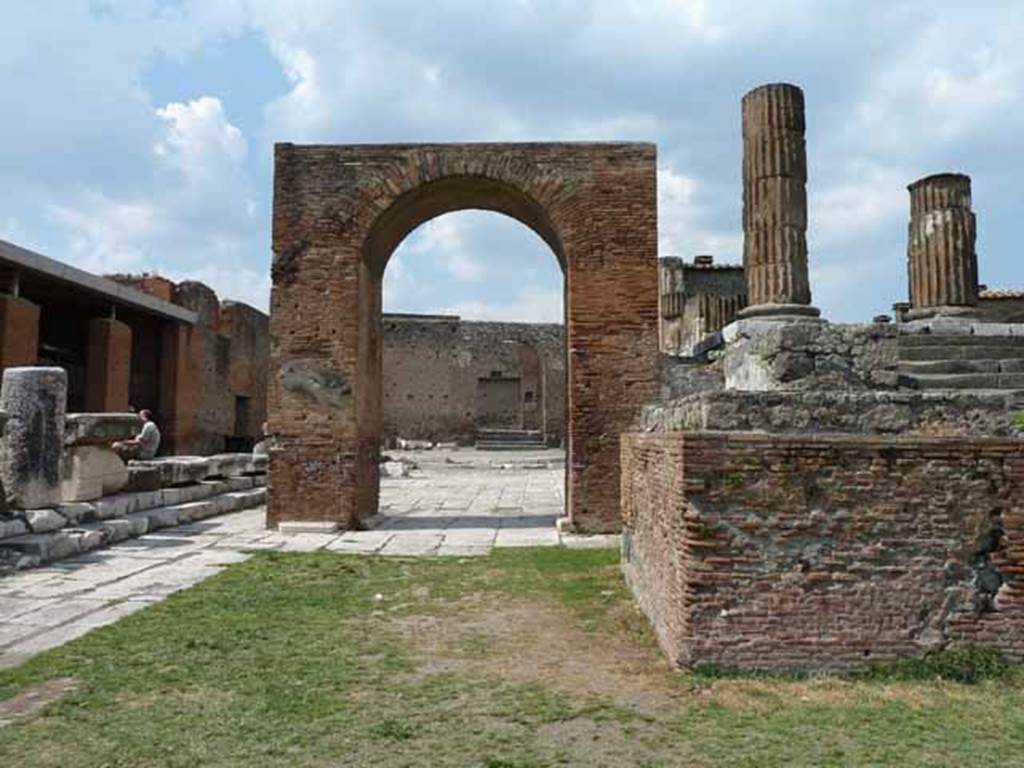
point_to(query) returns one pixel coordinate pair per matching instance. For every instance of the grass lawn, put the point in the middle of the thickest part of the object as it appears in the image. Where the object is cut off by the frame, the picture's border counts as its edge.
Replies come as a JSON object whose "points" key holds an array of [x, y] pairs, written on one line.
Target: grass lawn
{"points": [[523, 658]]}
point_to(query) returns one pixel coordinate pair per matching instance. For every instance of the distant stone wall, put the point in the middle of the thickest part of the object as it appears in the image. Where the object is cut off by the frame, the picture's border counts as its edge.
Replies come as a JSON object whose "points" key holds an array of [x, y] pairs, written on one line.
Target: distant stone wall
{"points": [[786, 552], [436, 371], [248, 332]]}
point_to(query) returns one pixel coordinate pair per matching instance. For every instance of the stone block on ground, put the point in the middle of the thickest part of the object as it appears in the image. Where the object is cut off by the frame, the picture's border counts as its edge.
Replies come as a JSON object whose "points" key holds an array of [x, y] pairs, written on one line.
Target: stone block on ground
{"points": [[77, 512], [44, 547], [100, 429], [120, 529], [164, 517], [395, 469], [307, 526], [92, 471], [34, 400], [13, 526], [121, 504], [88, 540], [236, 464], [177, 470], [44, 520], [142, 478]]}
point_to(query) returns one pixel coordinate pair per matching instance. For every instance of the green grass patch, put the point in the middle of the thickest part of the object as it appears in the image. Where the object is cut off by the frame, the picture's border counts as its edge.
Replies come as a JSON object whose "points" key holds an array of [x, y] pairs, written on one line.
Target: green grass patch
{"points": [[528, 657]]}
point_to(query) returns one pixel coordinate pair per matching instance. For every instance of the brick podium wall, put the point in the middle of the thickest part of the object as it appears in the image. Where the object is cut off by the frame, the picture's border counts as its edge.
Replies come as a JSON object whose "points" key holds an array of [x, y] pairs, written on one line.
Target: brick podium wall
{"points": [[786, 552]]}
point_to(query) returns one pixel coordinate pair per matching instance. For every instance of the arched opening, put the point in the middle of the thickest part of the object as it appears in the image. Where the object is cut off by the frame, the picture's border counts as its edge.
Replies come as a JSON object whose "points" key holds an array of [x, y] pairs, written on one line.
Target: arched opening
{"points": [[473, 363], [339, 214]]}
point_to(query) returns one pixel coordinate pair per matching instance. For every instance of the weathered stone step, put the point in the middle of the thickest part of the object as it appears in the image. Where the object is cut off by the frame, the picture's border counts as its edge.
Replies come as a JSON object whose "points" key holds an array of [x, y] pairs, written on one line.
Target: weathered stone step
{"points": [[914, 367], [36, 549], [491, 445], [181, 470], [957, 340], [967, 380], [122, 504], [979, 351], [118, 506], [509, 435]]}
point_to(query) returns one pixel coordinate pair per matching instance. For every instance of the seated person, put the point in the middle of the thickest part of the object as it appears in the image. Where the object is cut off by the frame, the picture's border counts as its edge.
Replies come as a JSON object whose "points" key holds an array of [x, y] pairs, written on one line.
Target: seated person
{"points": [[145, 444], [262, 448]]}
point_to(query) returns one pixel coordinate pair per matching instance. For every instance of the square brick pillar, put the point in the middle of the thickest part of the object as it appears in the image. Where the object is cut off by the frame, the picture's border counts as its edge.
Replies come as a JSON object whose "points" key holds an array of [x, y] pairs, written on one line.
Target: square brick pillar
{"points": [[177, 407], [108, 365], [19, 332]]}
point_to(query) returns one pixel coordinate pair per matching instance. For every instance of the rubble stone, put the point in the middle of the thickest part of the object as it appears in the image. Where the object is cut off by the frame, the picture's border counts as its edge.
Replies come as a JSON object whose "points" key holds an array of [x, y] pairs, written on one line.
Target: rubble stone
{"points": [[44, 520]]}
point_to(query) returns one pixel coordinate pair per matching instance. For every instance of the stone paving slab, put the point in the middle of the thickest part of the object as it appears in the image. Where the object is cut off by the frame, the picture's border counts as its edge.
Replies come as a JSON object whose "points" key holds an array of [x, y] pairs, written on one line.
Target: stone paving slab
{"points": [[442, 510]]}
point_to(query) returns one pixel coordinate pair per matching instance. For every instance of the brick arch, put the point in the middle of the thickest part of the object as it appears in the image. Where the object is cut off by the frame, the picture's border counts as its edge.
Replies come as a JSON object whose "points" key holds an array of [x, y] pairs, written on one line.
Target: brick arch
{"points": [[430, 199], [339, 213]]}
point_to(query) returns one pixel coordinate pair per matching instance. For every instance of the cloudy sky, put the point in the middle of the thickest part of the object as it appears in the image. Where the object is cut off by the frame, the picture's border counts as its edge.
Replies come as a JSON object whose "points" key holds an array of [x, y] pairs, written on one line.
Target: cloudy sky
{"points": [[138, 135]]}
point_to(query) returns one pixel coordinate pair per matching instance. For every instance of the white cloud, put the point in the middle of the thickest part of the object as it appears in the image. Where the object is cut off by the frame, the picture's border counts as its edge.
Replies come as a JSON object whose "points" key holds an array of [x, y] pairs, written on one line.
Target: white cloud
{"points": [[938, 90], [682, 228], [866, 198], [191, 223], [199, 142], [895, 91], [108, 235], [531, 305], [10, 230], [445, 238]]}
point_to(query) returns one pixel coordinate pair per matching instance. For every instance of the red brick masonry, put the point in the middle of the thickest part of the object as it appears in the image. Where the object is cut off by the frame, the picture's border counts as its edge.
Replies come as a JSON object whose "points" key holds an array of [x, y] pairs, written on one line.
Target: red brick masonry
{"points": [[786, 552], [339, 214]]}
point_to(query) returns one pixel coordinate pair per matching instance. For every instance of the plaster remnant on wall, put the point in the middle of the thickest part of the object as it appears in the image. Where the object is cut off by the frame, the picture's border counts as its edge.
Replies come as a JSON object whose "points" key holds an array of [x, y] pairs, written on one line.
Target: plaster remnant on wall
{"points": [[286, 262], [316, 382]]}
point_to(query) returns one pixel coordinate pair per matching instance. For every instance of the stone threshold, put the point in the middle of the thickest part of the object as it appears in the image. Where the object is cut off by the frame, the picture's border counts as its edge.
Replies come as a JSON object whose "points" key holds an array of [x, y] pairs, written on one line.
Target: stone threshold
{"points": [[79, 527]]}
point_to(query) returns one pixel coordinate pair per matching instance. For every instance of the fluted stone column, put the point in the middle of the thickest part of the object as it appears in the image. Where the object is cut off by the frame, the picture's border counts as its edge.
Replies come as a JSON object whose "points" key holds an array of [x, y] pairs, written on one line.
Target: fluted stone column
{"points": [[941, 262], [775, 203]]}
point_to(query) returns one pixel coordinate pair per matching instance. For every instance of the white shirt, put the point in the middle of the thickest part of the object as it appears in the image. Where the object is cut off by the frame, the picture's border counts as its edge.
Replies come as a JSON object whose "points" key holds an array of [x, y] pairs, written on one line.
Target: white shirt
{"points": [[149, 440]]}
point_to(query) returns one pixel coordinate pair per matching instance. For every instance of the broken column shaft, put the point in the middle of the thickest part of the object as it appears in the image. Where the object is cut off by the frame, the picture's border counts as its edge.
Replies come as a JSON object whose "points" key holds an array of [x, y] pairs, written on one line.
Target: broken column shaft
{"points": [[941, 261], [775, 202], [34, 400]]}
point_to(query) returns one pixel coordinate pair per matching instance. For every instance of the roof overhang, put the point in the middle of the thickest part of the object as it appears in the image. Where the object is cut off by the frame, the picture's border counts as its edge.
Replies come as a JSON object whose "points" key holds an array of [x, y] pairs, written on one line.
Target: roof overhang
{"points": [[22, 259]]}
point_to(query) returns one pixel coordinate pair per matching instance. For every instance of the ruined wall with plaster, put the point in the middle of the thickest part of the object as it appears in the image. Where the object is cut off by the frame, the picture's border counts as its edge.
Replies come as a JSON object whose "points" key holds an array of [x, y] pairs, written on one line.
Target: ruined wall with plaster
{"points": [[218, 399], [440, 370]]}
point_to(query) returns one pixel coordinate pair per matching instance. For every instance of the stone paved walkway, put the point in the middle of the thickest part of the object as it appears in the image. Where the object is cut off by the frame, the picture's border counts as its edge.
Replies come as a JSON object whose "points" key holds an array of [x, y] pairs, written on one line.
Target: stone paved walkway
{"points": [[460, 503]]}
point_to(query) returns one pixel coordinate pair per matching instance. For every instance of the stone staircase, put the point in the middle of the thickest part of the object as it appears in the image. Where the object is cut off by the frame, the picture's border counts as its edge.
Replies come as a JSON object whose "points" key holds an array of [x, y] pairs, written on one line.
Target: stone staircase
{"points": [[969, 361], [510, 440], [161, 493]]}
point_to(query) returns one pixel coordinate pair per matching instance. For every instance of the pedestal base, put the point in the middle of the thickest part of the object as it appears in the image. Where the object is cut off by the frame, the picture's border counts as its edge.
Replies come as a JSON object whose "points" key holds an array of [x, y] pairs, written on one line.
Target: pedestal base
{"points": [[779, 311], [933, 313]]}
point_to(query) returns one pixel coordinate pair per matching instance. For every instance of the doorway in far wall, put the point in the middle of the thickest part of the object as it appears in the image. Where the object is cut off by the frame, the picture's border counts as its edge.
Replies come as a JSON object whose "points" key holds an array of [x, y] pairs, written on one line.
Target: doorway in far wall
{"points": [[241, 439], [498, 403]]}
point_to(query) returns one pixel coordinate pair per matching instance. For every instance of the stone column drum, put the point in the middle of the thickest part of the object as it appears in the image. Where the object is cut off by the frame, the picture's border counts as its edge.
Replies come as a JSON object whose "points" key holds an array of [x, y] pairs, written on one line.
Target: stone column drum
{"points": [[941, 262], [775, 203], [34, 400]]}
